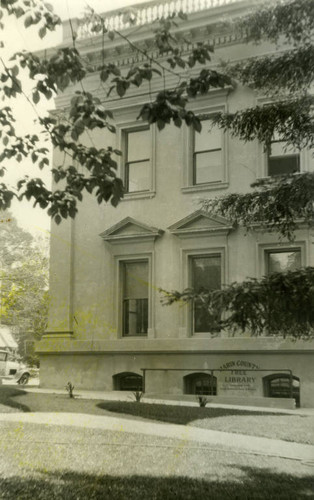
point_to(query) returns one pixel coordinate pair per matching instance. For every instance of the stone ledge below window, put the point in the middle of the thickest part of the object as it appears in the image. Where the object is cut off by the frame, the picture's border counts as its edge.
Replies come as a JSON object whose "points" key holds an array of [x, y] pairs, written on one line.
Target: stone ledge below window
{"points": [[138, 195], [212, 186]]}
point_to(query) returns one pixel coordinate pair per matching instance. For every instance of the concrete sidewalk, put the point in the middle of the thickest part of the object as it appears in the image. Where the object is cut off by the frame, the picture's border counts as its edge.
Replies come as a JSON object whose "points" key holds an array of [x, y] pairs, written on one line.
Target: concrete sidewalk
{"points": [[240, 442]]}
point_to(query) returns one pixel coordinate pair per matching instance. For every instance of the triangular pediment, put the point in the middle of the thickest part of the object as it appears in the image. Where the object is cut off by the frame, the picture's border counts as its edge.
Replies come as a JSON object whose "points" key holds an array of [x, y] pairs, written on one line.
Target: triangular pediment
{"points": [[130, 229], [200, 223]]}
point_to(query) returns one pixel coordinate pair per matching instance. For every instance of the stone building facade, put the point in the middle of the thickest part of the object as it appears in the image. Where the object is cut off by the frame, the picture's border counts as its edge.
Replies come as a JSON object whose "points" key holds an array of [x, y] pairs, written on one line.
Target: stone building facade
{"points": [[106, 321]]}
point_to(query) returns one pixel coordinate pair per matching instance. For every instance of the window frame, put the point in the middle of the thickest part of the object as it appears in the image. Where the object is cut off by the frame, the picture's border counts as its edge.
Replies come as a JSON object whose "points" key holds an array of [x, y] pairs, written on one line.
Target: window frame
{"points": [[190, 380], [265, 249], [119, 377], [296, 388], [124, 298], [191, 280], [205, 111], [268, 252], [263, 153], [123, 130], [187, 256], [195, 153], [268, 156], [119, 292]]}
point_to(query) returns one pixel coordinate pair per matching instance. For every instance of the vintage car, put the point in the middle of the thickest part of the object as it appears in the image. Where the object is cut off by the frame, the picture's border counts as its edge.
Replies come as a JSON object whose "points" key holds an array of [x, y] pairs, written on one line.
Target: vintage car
{"points": [[12, 369]]}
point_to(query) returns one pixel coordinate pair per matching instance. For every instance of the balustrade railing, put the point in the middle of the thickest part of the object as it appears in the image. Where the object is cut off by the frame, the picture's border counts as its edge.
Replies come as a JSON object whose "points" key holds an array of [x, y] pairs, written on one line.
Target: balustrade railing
{"points": [[146, 13]]}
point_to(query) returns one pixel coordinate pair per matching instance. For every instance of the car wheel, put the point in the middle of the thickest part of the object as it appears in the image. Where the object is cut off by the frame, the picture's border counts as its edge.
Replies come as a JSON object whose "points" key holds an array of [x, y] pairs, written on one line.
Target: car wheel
{"points": [[24, 379]]}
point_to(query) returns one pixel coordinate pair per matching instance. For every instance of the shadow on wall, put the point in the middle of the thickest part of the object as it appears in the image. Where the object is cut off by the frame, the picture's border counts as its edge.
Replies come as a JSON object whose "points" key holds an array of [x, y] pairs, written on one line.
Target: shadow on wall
{"points": [[256, 484]]}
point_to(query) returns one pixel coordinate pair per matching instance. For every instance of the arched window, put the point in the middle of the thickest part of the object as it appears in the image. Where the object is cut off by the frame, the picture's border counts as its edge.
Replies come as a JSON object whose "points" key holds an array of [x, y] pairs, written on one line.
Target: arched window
{"points": [[127, 381], [200, 383], [278, 386]]}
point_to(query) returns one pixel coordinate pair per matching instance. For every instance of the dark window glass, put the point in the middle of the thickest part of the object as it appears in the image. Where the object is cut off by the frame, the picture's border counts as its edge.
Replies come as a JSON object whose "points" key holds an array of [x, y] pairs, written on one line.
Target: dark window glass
{"points": [[200, 383], [137, 166], [207, 154], [128, 381], [206, 275], [278, 386], [282, 159], [135, 298]]}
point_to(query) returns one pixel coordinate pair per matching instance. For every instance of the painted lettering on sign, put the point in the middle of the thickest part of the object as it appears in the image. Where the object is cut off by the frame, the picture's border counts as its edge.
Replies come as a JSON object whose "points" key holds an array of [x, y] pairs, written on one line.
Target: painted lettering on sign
{"points": [[239, 376]]}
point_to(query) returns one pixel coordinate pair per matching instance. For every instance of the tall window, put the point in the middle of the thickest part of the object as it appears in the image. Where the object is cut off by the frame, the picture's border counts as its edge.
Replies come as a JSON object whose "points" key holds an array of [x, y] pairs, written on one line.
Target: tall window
{"points": [[206, 275], [281, 261], [282, 159], [207, 154], [135, 297], [137, 160]]}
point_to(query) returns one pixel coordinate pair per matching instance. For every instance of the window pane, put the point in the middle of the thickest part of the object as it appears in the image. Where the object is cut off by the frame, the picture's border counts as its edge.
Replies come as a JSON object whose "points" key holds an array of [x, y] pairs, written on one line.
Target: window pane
{"points": [[206, 275], [138, 145], [209, 138], [135, 298], [283, 165], [208, 167], [131, 383], [136, 280], [137, 176], [200, 383], [206, 272], [284, 261], [281, 149], [282, 159], [135, 316]]}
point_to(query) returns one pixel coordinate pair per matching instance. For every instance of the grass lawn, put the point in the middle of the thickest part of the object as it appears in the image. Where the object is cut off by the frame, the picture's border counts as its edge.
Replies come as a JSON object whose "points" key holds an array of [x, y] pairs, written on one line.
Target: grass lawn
{"points": [[75, 486], [51, 462], [295, 428]]}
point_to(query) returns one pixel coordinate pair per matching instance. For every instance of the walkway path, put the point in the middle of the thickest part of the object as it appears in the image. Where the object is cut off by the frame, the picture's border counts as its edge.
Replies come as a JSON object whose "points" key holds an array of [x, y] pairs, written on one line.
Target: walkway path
{"points": [[244, 443]]}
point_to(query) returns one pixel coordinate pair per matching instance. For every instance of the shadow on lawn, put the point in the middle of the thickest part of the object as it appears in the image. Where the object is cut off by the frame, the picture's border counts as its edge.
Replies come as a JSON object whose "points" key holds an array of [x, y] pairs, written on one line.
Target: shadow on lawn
{"points": [[256, 484], [6, 395], [174, 414]]}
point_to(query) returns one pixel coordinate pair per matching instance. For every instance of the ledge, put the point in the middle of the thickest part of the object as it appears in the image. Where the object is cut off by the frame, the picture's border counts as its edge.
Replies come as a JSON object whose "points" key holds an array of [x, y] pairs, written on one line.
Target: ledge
{"points": [[212, 186], [261, 345], [140, 195]]}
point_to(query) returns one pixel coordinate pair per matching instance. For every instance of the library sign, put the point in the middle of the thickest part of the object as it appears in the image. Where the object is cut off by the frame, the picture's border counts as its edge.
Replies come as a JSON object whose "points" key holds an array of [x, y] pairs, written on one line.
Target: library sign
{"points": [[239, 376]]}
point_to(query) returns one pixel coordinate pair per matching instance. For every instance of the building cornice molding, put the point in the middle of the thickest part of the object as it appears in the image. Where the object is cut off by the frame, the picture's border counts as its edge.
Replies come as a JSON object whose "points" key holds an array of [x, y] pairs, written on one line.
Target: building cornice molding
{"points": [[140, 232], [188, 228]]}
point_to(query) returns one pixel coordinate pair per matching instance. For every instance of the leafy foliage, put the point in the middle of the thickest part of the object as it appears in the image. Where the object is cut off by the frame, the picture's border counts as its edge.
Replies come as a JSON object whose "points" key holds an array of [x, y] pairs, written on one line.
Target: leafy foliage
{"points": [[291, 118], [280, 203], [291, 71], [292, 20], [285, 78], [279, 304], [24, 283]]}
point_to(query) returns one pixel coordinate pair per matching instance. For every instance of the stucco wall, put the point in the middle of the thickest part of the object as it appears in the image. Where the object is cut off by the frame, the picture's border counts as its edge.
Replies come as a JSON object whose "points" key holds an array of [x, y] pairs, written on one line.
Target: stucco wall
{"points": [[84, 309], [95, 371]]}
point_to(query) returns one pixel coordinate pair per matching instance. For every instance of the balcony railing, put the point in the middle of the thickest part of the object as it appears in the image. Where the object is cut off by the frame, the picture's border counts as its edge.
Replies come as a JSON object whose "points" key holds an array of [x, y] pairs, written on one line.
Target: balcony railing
{"points": [[145, 13]]}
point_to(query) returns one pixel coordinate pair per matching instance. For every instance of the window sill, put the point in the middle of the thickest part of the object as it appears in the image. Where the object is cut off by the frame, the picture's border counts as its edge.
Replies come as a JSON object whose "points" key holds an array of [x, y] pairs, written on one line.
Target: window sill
{"points": [[268, 177], [206, 335], [212, 186], [135, 336], [138, 195]]}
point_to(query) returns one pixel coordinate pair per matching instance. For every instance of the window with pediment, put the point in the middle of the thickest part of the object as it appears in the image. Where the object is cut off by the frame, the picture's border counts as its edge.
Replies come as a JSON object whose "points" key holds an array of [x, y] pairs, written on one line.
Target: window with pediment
{"points": [[132, 250]]}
